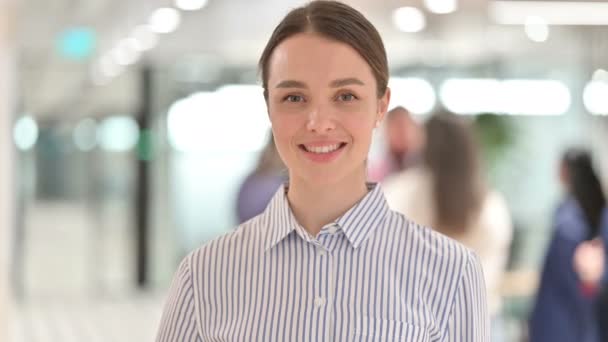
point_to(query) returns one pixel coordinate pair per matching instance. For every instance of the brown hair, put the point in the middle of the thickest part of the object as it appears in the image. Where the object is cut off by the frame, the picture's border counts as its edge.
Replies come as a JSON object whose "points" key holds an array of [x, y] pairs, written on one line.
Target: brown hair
{"points": [[336, 21], [452, 157], [585, 187]]}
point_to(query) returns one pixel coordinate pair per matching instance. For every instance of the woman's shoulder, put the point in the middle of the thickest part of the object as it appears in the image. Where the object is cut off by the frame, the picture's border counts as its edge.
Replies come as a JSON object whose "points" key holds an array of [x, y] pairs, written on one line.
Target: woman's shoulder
{"points": [[248, 235]]}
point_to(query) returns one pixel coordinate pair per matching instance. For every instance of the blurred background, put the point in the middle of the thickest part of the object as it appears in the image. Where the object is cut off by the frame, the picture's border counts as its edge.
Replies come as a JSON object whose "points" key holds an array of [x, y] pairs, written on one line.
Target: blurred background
{"points": [[128, 127]]}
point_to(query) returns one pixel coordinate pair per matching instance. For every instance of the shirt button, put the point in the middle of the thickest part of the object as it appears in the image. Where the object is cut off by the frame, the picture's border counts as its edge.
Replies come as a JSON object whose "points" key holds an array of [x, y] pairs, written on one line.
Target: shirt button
{"points": [[322, 253], [333, 230], [319, 302]]}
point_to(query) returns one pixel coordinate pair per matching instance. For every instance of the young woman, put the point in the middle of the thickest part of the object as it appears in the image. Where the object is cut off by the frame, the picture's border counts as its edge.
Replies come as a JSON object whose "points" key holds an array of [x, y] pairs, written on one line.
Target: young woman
{"points": [[327, 260]]}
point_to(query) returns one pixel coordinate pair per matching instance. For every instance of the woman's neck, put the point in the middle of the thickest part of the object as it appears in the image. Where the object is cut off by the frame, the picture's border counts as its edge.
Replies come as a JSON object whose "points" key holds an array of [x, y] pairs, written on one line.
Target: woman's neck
{"points": [[316, 205]]}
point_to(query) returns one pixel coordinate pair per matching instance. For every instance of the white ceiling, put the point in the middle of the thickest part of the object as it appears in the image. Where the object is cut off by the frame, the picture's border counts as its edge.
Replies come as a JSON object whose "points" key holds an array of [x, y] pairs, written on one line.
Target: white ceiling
{"points": [[234, 32]]}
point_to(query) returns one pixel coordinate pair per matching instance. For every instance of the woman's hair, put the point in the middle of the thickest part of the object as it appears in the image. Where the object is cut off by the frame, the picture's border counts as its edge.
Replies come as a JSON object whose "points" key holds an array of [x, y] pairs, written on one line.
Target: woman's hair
{"points": [[452, 156], [585, 187], [337, 21]]}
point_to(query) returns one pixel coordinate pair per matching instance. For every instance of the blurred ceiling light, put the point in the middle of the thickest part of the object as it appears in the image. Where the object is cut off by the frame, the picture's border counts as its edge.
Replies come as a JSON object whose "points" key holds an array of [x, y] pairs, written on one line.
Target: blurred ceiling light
{"points": [[595, 97], [164, 20], [118, 133], [536, 29], [190, 5], [144, 38], [247, 104], [415, 94], [200, 122], [25, 133], [409, 19], [469, 96], [534, 97], [187, 120], [84, 135], [441, 6], [132, 44], [124, 53], [515, 97], [554, 12]]}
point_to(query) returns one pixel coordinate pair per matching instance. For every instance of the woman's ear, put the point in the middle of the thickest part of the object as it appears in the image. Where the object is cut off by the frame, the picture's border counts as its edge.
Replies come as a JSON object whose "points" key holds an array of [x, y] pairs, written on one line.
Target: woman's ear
{"points": [[383, 105]]}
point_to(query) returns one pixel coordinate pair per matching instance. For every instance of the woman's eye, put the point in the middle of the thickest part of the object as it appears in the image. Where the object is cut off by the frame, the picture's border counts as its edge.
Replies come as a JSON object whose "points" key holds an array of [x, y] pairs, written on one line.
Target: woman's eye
{"points": [[293, 98], [347, 97]]}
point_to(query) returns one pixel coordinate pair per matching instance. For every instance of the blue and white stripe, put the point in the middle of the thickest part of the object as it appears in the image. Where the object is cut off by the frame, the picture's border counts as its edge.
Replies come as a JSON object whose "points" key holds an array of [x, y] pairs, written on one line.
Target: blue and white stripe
{"points": [[372, 275]]}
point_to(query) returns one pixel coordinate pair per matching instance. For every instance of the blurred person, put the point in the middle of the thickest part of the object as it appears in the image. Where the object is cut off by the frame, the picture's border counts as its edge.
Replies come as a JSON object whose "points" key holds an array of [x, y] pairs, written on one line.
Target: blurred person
{"points": [[261, 184], [327, 260], [566, 307], [404, 139], [447, 191]]}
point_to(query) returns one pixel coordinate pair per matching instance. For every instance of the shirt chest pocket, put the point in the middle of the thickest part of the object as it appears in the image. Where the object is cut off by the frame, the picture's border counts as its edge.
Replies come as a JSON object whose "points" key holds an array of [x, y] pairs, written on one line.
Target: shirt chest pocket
{"points": [[375, 329]]}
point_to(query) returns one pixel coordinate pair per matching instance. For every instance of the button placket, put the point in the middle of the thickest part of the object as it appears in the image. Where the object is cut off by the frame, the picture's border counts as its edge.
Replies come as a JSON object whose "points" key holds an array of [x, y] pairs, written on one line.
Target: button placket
{"points": [[323, 301], [322, 268]]}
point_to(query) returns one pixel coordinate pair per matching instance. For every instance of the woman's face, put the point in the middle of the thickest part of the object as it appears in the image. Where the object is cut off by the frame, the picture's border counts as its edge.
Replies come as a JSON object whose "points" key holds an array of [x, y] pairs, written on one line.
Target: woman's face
{"points": [[323, 106]]}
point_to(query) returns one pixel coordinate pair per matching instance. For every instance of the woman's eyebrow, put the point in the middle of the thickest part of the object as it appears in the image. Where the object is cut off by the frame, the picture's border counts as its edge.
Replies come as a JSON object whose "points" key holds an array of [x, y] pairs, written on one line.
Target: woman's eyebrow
{"points": [[345, 81], [291, 84]]}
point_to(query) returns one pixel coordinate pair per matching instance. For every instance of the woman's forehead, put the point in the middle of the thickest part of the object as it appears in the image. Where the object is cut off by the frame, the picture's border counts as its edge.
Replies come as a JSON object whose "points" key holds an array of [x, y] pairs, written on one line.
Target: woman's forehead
{"points": [[313, 57]]}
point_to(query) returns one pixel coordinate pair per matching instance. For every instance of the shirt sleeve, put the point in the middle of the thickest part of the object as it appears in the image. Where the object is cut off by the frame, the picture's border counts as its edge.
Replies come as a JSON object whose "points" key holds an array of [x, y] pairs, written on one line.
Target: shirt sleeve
{"points": [[468, 319], [179, 319]]}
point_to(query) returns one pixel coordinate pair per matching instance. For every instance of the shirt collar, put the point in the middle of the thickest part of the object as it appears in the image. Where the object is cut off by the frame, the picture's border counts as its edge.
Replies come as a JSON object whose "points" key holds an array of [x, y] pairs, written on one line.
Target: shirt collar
{"points": [[278, 218], [364, 217], [357, 223]]}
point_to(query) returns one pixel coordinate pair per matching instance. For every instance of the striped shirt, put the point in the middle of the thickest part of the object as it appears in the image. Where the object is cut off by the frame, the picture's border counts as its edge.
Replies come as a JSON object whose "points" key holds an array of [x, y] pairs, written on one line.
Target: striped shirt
{"points": [[371, 275]]}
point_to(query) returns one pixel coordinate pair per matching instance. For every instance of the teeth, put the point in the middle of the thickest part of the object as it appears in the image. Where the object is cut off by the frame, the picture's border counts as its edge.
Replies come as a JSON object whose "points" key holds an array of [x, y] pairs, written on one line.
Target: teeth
{"points": [[322, 149]]}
